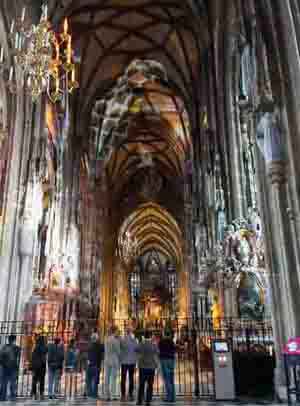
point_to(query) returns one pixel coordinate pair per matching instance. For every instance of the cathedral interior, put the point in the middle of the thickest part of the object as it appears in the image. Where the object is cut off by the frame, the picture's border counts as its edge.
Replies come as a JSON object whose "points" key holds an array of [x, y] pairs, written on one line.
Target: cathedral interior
{"points": [[149, 169]]}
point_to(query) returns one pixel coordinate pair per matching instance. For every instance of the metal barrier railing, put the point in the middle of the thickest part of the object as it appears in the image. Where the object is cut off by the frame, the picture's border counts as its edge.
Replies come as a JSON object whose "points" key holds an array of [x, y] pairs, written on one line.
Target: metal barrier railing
{"points": [[193, 374]]}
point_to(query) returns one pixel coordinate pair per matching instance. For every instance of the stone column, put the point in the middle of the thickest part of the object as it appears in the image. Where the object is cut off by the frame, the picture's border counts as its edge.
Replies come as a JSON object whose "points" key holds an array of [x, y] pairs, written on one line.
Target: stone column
{"points": [[8, 262], [24, 278], [277, 174], [233, 128], [283, 279], [290, 59]]}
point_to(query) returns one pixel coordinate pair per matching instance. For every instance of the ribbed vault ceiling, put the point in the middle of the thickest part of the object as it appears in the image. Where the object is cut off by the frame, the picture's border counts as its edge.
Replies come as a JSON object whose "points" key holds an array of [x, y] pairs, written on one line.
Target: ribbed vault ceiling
{"points": [[111, 33], [154, 227], [161, 134]]}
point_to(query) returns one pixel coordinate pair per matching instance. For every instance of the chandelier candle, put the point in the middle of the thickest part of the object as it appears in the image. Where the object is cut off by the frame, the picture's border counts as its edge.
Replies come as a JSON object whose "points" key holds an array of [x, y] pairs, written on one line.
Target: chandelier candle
{"points": [[44, 57]]}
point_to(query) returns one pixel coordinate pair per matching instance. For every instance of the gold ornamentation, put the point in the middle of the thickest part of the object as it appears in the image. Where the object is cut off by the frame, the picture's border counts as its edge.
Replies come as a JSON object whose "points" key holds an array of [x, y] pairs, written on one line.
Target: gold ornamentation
{"points": [[43, 59]]}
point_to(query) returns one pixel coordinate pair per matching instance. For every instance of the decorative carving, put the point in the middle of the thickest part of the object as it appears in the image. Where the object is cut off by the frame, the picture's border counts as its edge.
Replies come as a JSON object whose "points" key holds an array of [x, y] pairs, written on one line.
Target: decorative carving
{"points": [[277, 171], [269, 137], [113, 114]]}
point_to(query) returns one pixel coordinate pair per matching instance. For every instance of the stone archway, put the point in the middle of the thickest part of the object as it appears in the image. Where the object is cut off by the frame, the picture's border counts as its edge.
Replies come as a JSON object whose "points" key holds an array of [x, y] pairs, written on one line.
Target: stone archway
{"points": [[155, 231]]}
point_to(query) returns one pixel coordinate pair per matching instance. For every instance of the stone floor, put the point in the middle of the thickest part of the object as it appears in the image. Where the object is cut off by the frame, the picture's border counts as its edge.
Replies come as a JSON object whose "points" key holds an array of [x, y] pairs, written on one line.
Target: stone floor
{"points": [[156, 402]]}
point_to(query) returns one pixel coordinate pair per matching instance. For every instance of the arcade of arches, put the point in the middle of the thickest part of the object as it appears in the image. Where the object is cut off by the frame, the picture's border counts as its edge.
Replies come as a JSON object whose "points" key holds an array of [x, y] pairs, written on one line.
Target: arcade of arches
{"points": [[167, 186]]}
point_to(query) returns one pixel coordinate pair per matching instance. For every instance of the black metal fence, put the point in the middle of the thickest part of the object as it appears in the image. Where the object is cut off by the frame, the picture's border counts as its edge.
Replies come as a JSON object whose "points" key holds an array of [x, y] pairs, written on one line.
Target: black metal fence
{"points": [[194, 368]]}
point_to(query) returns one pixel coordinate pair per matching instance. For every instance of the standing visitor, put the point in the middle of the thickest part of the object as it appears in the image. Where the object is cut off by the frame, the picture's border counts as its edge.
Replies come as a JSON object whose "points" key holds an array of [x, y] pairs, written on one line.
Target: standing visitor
{"points": [[56, 358], [147, 362], [71, 365], [167, 351], [112, 352], [95, 357], [128, 362], [9, 360], [38, 366]]}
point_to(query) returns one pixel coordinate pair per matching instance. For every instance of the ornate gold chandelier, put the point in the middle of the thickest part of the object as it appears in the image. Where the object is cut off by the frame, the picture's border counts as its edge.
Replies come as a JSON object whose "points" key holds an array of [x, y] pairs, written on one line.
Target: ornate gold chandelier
{"points": [[127, 247], [43, 59]]}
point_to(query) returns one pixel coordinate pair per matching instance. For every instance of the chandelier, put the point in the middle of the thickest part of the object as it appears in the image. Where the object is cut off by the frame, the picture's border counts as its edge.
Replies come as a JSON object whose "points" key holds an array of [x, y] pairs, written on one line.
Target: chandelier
{"points": [[128, 248], [43, 59]]}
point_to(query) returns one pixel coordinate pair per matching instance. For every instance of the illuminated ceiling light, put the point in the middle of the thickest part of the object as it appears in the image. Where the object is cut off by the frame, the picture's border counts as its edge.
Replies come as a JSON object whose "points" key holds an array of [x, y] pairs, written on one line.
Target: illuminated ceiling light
{"points": [[128, 248], [43, 59]]}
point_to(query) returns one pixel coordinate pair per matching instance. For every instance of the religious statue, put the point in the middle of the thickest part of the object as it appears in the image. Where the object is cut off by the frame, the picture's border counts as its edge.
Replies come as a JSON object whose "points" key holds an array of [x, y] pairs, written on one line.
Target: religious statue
{"points": [[216, 312], [200, 243], [268, 132], [243, 248], [221, 215], [247, 73], [250, 298]]}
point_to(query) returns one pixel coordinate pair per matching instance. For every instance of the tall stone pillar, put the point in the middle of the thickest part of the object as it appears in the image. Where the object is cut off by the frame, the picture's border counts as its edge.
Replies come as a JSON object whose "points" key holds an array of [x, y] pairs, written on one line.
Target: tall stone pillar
{"points": [[9, 261], [233, 130], [283, 278], [283, 249], [27, 235], [289, 52]]}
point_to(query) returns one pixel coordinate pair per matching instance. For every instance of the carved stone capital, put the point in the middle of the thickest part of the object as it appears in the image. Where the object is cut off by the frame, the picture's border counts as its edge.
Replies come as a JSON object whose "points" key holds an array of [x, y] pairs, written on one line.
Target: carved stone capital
{"points": [[277, 171]]}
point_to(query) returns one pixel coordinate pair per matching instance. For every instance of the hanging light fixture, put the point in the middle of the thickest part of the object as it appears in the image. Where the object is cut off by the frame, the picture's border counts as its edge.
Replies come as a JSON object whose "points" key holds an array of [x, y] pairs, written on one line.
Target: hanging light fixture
{"points": [[127, 247], [43, 59]]}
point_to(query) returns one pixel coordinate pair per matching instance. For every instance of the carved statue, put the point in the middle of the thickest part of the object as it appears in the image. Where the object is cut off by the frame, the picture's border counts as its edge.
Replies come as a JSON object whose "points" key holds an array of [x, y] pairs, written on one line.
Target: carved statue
{"points": [[269, 137], [243, 249], [247, 72], [250, 298], [216, 312], [221, 215]]}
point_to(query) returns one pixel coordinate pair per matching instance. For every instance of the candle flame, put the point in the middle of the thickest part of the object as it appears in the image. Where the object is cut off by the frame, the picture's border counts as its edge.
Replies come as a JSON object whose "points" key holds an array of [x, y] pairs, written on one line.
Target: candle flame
{"points": [[66, 26]]}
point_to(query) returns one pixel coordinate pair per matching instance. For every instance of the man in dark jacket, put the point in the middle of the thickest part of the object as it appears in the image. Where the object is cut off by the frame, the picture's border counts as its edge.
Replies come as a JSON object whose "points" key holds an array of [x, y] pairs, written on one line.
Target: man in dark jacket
{"points": [[55, 365], [38, 366], [128, 362], [95, 357], [147, 362], [9, 360], [167, 351]]}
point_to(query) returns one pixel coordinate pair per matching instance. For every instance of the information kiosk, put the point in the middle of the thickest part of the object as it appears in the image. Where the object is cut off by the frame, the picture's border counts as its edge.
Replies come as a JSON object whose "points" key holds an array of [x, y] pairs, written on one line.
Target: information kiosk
{"points": [[223, 370]]}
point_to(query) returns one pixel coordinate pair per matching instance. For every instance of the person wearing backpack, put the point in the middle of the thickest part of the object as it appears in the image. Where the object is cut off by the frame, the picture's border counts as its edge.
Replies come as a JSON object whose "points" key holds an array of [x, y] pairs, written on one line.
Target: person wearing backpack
{"points": [[9, 359], [38, 366], [56, 358]]}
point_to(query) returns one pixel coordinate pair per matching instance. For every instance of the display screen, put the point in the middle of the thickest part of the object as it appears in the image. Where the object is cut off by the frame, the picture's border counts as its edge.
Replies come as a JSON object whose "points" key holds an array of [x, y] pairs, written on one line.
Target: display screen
{"points": [[221, 346]]}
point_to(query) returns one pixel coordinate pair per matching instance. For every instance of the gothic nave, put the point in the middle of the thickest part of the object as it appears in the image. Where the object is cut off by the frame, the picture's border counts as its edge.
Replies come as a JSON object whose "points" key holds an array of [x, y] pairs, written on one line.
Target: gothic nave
{"points": [[149, 172]]}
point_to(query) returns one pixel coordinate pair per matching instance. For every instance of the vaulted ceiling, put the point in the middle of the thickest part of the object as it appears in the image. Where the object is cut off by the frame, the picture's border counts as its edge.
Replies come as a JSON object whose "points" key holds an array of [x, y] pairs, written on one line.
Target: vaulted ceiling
{"points": [[161, 136], [154, 227], [111, 33]]}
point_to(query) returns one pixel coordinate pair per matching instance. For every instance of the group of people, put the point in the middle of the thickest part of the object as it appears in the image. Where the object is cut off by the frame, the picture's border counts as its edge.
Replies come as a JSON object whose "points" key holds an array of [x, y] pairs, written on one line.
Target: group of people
{"points": [[117, 354], [149, 355]]}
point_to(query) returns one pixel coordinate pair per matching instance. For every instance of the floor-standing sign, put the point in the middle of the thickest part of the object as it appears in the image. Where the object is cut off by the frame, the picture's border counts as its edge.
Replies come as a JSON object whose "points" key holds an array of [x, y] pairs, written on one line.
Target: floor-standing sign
{"points": [[223, 370]]}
